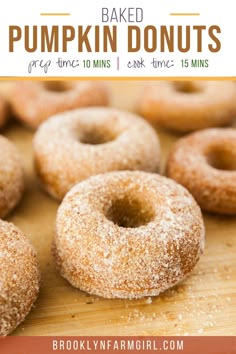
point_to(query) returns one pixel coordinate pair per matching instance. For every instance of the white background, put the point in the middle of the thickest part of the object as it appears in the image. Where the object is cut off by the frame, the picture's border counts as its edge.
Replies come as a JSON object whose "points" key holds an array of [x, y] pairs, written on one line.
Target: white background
{"points": [[88, 12]]}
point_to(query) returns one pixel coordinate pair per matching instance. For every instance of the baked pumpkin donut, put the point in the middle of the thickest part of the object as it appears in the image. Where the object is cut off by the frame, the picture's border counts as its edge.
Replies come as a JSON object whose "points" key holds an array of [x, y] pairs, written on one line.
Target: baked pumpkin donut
{"points": [[3, 111], [189, 105], [19, 277], [127, 234], [35, 101], [11, 177], [75, 145], [205, 163]]}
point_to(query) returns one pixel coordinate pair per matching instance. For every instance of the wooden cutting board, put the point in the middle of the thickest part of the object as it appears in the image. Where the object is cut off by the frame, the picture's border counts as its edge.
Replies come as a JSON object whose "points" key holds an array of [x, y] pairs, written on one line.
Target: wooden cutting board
{"points": [[203, 304]]}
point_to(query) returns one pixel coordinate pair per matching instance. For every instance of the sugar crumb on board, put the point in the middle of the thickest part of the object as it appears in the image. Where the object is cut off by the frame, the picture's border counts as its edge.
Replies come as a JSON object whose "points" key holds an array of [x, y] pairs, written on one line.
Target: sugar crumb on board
{"points": [[182, 306]]}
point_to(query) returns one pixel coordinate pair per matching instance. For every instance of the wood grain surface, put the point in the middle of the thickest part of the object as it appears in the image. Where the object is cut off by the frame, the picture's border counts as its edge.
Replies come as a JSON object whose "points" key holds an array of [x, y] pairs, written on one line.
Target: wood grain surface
{"points": [[203, 304]]}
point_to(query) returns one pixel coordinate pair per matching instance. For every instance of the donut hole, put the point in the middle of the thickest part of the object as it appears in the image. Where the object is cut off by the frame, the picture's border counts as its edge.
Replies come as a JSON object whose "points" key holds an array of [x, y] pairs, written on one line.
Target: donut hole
{"points": [[57, 86], [130, 212], [187, 87], [97, 136], [222, 159]]}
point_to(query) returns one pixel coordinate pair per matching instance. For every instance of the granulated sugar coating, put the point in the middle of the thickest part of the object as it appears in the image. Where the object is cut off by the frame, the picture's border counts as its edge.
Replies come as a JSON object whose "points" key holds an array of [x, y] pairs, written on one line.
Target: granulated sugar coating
{"points": [[11, 177], [127, 234], [19, 277], [73, 146], [186, 106], [205, 164], [33, 102]]}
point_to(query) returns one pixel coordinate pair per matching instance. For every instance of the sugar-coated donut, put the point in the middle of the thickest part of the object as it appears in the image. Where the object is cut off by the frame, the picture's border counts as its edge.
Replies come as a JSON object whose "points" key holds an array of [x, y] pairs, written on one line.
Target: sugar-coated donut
{"points": [[189, 105], [205, 163], [34, 101], [127, 234], [3, 111], [74, 145], [11, 177], [19, 277]]}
